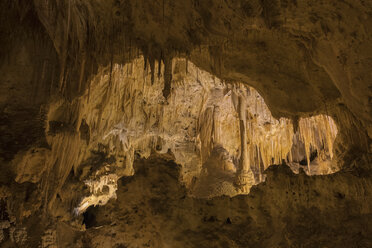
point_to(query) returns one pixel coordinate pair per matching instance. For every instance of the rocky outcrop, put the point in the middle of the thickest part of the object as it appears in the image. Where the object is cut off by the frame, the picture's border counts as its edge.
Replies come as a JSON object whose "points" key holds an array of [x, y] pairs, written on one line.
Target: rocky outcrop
{"points": [[288, 210]]}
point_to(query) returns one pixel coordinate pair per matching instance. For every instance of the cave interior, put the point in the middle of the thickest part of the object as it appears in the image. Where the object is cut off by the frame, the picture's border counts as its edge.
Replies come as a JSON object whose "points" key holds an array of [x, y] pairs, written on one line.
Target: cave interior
{"points": [[185, 123]]}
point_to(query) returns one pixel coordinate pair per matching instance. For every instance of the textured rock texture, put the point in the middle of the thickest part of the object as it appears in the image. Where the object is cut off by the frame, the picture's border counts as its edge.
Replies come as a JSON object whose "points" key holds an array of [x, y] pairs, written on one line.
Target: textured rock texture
{"points": [[70, 124], [288, 210], [317, 49]]}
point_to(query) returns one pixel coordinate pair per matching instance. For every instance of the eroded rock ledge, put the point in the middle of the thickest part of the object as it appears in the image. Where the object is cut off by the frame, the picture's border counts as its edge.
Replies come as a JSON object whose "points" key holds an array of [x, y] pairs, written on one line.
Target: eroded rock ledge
{"points": [[288, 210]]}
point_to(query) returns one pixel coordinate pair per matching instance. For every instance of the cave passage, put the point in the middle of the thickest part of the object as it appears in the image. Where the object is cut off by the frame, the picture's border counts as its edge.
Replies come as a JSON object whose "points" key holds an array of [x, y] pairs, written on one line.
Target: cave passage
{"points": [[185, 123], [222, 134]]}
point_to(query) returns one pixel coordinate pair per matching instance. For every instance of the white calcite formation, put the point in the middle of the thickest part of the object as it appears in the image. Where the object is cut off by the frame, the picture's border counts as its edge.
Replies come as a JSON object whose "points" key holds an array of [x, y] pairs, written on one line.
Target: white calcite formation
{"points": [[222, 134], [102, 190], [317, 132]]}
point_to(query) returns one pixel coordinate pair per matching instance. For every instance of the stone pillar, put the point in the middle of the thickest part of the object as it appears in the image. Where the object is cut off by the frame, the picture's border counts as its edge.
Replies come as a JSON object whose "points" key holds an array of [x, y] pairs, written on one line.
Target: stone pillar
{"points": [[245, 177]]}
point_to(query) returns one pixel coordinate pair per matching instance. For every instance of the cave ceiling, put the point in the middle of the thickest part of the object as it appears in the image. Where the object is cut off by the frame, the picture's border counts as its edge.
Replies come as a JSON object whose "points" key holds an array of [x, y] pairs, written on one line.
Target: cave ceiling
{"points": [[94, 91]]}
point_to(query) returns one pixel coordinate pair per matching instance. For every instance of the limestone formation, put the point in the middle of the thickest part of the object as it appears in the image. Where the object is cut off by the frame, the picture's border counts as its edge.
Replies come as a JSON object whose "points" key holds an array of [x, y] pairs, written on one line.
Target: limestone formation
{"points": [[198, 123]]}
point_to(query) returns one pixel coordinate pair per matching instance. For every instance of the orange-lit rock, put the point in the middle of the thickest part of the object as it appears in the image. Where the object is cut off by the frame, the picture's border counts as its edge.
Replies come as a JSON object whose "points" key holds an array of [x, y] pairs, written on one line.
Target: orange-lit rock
{"points": [[145, 108]]}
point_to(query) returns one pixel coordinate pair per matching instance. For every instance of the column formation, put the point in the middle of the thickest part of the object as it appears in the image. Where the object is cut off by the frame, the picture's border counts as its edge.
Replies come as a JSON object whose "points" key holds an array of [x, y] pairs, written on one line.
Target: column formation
{"points": [[245, 177]]}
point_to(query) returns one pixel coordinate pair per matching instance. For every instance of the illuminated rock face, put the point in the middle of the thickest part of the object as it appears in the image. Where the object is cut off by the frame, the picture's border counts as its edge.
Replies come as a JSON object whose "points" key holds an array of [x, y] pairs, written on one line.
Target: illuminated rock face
{"points": [[102, 190], [72, 122], [223, 135]]}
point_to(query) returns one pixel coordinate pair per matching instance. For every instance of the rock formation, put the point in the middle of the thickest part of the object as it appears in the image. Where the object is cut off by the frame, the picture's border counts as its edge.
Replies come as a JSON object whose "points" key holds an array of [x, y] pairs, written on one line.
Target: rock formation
{"points": [[131, 123]]}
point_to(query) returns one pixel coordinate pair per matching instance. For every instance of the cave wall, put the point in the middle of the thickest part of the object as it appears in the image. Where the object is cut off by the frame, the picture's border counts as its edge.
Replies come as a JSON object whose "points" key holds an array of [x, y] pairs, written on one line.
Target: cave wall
{"points": [[317, 49], [303, 57], [288, 210]]}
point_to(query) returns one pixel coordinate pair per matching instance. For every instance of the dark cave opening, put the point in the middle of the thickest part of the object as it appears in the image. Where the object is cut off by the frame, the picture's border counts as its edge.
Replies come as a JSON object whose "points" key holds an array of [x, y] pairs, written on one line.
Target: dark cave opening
{"points": [[89, 217], [313, 155]]}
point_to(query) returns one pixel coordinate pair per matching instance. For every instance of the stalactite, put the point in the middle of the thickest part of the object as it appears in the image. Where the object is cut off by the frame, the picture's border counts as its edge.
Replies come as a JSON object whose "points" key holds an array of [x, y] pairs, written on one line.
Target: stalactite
{"points": [[167, 76], [159, 68], [206, 133], [145, 58], [152, 69], [111, 66], [64, 50], [216, 126], [317, 132], [204, 117], [82, 72], [187, 66]]}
